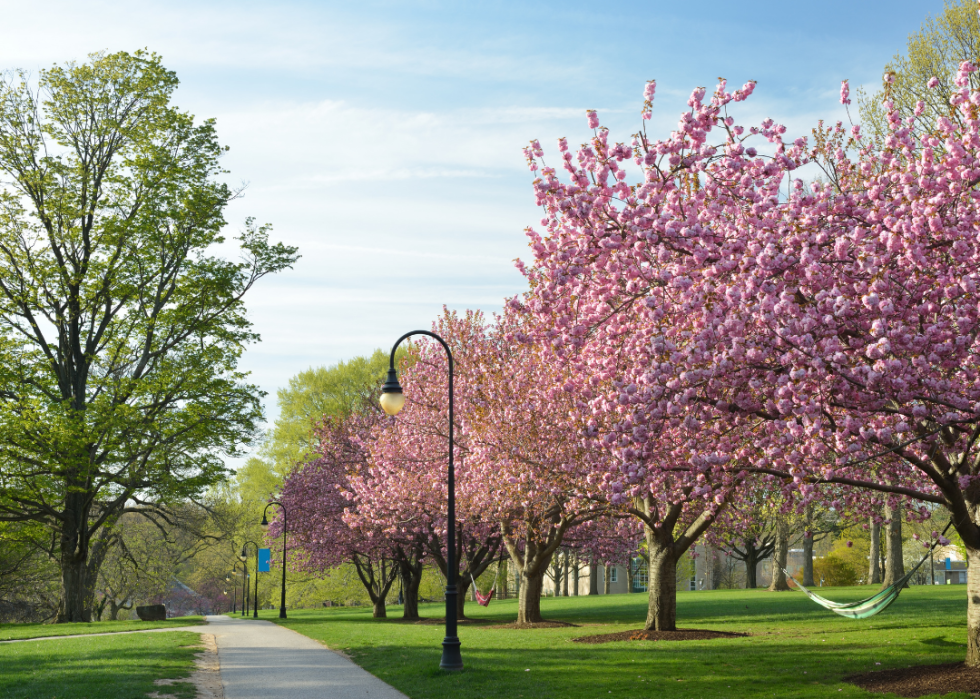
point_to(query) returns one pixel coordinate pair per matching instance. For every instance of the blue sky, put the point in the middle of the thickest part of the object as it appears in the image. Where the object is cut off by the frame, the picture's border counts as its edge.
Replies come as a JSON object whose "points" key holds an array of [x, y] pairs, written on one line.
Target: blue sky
{"points": [[384, 139]]}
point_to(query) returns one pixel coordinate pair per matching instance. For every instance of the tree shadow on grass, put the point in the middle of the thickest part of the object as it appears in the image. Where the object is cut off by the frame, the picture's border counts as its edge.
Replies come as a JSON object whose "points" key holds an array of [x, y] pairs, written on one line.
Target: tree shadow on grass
{"points": [[720, 668]]}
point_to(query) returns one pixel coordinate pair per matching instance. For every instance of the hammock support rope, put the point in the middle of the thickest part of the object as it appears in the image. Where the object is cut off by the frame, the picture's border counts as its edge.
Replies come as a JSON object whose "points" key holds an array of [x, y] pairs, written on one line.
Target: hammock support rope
{"points": [[484, 599], [875, 604]]}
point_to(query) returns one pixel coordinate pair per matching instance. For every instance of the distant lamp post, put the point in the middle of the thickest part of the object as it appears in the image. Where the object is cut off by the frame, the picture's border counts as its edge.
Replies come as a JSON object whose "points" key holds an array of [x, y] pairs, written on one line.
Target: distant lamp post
{"points": [[392, 400], [255, 597], [265, 524], [234, 574], [244, 559]]}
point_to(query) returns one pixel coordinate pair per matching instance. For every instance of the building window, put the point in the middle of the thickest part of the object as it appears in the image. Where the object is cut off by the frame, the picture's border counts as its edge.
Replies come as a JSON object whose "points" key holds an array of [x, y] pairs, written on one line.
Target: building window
{"points": [[612, 574], [640, 575]]}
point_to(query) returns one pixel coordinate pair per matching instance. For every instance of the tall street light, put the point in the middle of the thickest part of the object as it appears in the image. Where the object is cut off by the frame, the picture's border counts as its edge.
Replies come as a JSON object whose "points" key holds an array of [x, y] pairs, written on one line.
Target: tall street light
{"points": [[392, 400], [255, 597], [265, 524], [228, 578], [244, 559]]}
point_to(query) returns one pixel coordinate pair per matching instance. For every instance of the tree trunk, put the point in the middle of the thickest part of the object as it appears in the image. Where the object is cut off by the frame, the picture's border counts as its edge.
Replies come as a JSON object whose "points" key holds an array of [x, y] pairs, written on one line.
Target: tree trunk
{"points": [[662, 585], [779, 583], [564, 573], [629, 576], [575, 574], [605, 579], [716, 569], [556, 573], [895, 562], [751, 566], [593, 577], [808, 559], [380, 611], [973, 607], [874, 567], [410, 593], [529, 599], [114, 608], [74, 584], [461, 587], [504, 580]]}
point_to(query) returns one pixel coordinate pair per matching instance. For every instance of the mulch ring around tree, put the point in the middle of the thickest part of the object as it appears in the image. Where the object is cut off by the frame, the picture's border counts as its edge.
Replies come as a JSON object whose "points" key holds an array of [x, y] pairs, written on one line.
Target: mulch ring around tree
{"points": [[546, 624], [641, 635], [919, 680], [442, 621]]}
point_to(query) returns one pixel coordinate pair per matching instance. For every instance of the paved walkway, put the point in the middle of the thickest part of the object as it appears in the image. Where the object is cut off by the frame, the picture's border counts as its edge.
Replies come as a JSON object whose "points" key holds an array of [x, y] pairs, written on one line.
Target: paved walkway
{"points": [[261, 660]]}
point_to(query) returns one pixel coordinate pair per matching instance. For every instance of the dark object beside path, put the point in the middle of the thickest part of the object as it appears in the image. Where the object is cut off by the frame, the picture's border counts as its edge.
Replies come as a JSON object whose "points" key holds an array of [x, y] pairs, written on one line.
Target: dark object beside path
{"points": [[152, 612], [641, 635], [919, 680]]}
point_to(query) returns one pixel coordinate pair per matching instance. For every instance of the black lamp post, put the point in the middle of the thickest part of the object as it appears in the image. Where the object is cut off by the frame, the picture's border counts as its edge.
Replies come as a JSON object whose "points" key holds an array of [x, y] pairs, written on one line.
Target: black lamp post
{"points": [[255, 597], [265, 523], [228, 578], [392, 401], [244, 559]]}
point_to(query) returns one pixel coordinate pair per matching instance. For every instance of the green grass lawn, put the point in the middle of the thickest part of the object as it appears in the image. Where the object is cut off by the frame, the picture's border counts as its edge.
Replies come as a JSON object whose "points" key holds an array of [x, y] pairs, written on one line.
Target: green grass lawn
{"points": [[106, 667], [796, 649], [12, 632]]}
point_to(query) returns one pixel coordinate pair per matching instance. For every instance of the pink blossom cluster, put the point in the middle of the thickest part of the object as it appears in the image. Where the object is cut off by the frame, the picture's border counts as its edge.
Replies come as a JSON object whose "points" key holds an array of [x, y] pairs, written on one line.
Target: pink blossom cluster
{"points": [[720, 328]]}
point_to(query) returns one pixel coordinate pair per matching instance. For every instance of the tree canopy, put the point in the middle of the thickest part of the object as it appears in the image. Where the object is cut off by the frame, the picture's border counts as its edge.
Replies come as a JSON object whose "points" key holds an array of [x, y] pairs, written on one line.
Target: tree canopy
{"points": [[120, 330]]}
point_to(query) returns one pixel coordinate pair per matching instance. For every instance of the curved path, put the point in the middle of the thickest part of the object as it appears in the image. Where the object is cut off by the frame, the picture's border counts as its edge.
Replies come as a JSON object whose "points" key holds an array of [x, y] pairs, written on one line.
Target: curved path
{"points": [[260, 660]]}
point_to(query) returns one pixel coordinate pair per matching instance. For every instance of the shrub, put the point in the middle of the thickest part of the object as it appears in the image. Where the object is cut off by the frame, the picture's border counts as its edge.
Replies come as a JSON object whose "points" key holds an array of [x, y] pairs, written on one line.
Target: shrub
{"points": [[834, 571]]}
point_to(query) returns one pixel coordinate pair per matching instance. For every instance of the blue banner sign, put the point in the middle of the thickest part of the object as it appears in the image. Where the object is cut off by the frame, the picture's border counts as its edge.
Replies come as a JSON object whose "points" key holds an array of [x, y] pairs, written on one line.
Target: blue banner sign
{"points": [[265, 557]]}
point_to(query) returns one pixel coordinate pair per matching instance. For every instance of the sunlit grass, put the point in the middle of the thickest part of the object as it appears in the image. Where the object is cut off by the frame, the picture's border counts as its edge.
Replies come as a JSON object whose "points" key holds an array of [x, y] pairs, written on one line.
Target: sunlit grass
{"points": [[795, 648], [10, 632], [102, 667]]}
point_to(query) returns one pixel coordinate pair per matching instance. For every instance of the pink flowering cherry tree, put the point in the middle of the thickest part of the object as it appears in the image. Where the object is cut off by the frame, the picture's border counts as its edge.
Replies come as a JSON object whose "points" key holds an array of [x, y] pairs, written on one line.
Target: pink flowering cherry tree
{"points": [[527, 442], [830, 331], [405, 487], [324, 528]]}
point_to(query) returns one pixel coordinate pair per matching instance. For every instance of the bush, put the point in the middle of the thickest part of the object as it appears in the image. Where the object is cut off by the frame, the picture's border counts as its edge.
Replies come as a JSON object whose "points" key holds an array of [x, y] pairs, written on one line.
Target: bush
{"points": [[834, 571]]}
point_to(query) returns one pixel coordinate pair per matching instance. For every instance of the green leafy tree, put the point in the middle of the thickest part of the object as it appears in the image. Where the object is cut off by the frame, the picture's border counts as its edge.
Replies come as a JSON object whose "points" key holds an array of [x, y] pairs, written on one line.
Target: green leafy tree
{"points": [[935, 51], [119, 328], [335, 391], [28, 576]]}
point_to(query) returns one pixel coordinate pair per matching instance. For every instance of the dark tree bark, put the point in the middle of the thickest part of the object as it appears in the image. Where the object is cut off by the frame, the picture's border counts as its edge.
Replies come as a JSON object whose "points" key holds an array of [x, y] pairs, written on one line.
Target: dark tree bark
{"points": [[115, 608], [529, 600], [410, 567], [808, 547], [556, 572], [780, 551], [533, 560], [808, 559], [664, 550], [576, 573], [473, 557], [593, 576], [662, 584], [874, 567], [607, 573], [377, 576], [753, 550], [895, 562], [565, 568]]}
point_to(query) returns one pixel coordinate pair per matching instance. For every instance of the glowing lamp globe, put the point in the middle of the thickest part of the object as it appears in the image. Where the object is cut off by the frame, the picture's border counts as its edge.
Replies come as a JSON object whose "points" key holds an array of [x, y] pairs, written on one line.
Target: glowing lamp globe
{"points": [[392, 398], [391, 403]]}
